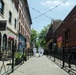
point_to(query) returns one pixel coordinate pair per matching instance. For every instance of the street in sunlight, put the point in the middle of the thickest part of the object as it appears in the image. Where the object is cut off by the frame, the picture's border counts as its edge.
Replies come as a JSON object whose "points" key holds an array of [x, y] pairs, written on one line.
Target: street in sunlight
{"points": [[37, 37], [39, 66]]}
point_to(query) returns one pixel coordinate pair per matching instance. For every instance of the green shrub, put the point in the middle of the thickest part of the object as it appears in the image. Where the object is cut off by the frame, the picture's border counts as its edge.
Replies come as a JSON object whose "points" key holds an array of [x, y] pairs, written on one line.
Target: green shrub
{"points": [[19, 57]]}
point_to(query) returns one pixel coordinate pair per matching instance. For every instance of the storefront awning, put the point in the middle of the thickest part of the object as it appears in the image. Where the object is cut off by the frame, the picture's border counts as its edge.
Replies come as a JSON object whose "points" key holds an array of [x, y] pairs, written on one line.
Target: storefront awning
{"points": [[11, 37], [59, 38]]}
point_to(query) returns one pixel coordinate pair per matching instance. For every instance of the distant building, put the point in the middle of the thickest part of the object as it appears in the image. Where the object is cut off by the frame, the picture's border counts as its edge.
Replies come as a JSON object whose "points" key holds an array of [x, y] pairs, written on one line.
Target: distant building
{"points": [[49, 36], [24, 25]]}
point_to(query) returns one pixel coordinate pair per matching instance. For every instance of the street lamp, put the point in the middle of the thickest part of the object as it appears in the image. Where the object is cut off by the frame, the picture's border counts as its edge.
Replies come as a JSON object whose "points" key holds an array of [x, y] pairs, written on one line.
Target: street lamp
{"points": [[12, 39]]}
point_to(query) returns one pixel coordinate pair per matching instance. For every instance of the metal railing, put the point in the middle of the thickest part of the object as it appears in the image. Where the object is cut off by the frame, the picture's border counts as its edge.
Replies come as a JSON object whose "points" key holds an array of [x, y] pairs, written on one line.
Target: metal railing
{"points": [[66, 57], [8, 61], [29, 53], [5, 59]]}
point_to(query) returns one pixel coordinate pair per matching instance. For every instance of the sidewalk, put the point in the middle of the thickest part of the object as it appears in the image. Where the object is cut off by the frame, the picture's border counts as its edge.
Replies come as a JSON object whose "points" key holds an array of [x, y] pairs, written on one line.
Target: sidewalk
{"points": [[39, 66]]}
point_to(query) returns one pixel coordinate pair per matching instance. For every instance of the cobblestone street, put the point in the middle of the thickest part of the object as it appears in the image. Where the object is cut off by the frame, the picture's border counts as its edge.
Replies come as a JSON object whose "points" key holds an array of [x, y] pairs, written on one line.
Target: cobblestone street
{"points": [[39, 66]]}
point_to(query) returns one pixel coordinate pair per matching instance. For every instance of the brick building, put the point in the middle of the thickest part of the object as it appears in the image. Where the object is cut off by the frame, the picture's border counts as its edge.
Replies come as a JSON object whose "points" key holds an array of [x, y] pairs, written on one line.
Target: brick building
{"points": [[49, 36], [15, 23], [24, 25], [65, 33]]}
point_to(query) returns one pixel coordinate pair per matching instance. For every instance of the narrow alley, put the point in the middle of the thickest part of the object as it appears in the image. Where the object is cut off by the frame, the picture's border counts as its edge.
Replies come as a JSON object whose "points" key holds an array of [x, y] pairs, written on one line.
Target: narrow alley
{"points": [[43, 27], [39, 66]]}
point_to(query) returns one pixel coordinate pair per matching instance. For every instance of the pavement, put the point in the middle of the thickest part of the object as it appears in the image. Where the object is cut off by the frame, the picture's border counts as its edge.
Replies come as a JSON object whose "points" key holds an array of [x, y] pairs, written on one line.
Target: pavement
{"points": [[4, 67], [39, 66]]}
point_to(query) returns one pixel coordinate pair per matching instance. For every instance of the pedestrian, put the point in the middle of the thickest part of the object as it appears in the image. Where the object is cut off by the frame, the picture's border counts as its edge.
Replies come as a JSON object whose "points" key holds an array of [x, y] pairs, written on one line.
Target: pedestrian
{"points": [[39, 51], [34, 51], [42, 51]]}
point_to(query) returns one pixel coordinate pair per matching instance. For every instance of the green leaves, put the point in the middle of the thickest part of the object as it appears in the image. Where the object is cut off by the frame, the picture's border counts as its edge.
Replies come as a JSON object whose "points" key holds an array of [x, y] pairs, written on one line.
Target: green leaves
{"points": [[33, 35], [42, 36], [39, 38]]}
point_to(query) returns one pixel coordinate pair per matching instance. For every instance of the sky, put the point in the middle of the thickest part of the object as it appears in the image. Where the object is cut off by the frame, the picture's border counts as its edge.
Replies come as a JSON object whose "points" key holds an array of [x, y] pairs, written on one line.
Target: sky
{"points": [[43, 11]]}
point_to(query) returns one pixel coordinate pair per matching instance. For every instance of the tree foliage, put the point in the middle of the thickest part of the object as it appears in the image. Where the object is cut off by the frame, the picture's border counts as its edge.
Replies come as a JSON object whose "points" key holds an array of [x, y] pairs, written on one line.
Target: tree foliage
{"points": [[42, 35], [33, 36], [39, 38]]}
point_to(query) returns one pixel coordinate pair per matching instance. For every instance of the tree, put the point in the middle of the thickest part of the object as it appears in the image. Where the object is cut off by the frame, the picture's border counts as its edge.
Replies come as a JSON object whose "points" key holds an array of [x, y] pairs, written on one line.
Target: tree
{"points": [[39, 38], [33, 36], [37, 44], [42, 34]]}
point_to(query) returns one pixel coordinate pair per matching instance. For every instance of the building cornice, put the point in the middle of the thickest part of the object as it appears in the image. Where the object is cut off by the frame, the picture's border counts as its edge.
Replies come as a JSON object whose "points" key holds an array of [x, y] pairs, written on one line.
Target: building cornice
{"points": [[27, 7], [11, 30]]}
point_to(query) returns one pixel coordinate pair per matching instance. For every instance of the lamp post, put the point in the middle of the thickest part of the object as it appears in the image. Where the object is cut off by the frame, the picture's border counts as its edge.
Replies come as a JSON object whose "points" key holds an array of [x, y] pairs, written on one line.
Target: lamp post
{"points": [[12, 48], [63, 51]]}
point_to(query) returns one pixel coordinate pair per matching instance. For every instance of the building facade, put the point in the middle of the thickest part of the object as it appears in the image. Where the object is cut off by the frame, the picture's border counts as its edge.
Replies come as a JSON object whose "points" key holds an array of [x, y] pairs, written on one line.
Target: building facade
{"points": [[50, 37], [8, 23], [66, 31], [15, 24], [24, 25]]}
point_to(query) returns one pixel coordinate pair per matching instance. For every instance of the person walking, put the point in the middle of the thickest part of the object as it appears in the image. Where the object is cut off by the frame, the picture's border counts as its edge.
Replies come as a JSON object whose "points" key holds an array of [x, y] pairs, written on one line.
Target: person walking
{"points": [[42, 51], [34, 51], [39, 51]]}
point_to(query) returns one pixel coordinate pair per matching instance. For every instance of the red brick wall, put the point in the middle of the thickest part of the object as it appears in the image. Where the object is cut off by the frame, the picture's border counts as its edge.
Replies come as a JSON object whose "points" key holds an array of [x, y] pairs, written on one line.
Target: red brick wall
{"points": [[68, 23]]}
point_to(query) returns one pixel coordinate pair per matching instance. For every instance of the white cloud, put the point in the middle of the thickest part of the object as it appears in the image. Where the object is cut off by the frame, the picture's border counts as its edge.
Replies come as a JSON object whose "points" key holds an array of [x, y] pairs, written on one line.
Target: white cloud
{"points": [[46, 3], [52, 4], [66, 4]]}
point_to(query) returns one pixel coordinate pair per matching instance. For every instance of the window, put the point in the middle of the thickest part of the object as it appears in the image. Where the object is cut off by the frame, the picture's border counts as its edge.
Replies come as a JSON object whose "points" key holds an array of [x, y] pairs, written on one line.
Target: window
{"points": [[19, 13], [1, 7], [19, 26], [15, 23], [21, 29], [10, 16], [67, 35], [9, 43]]}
